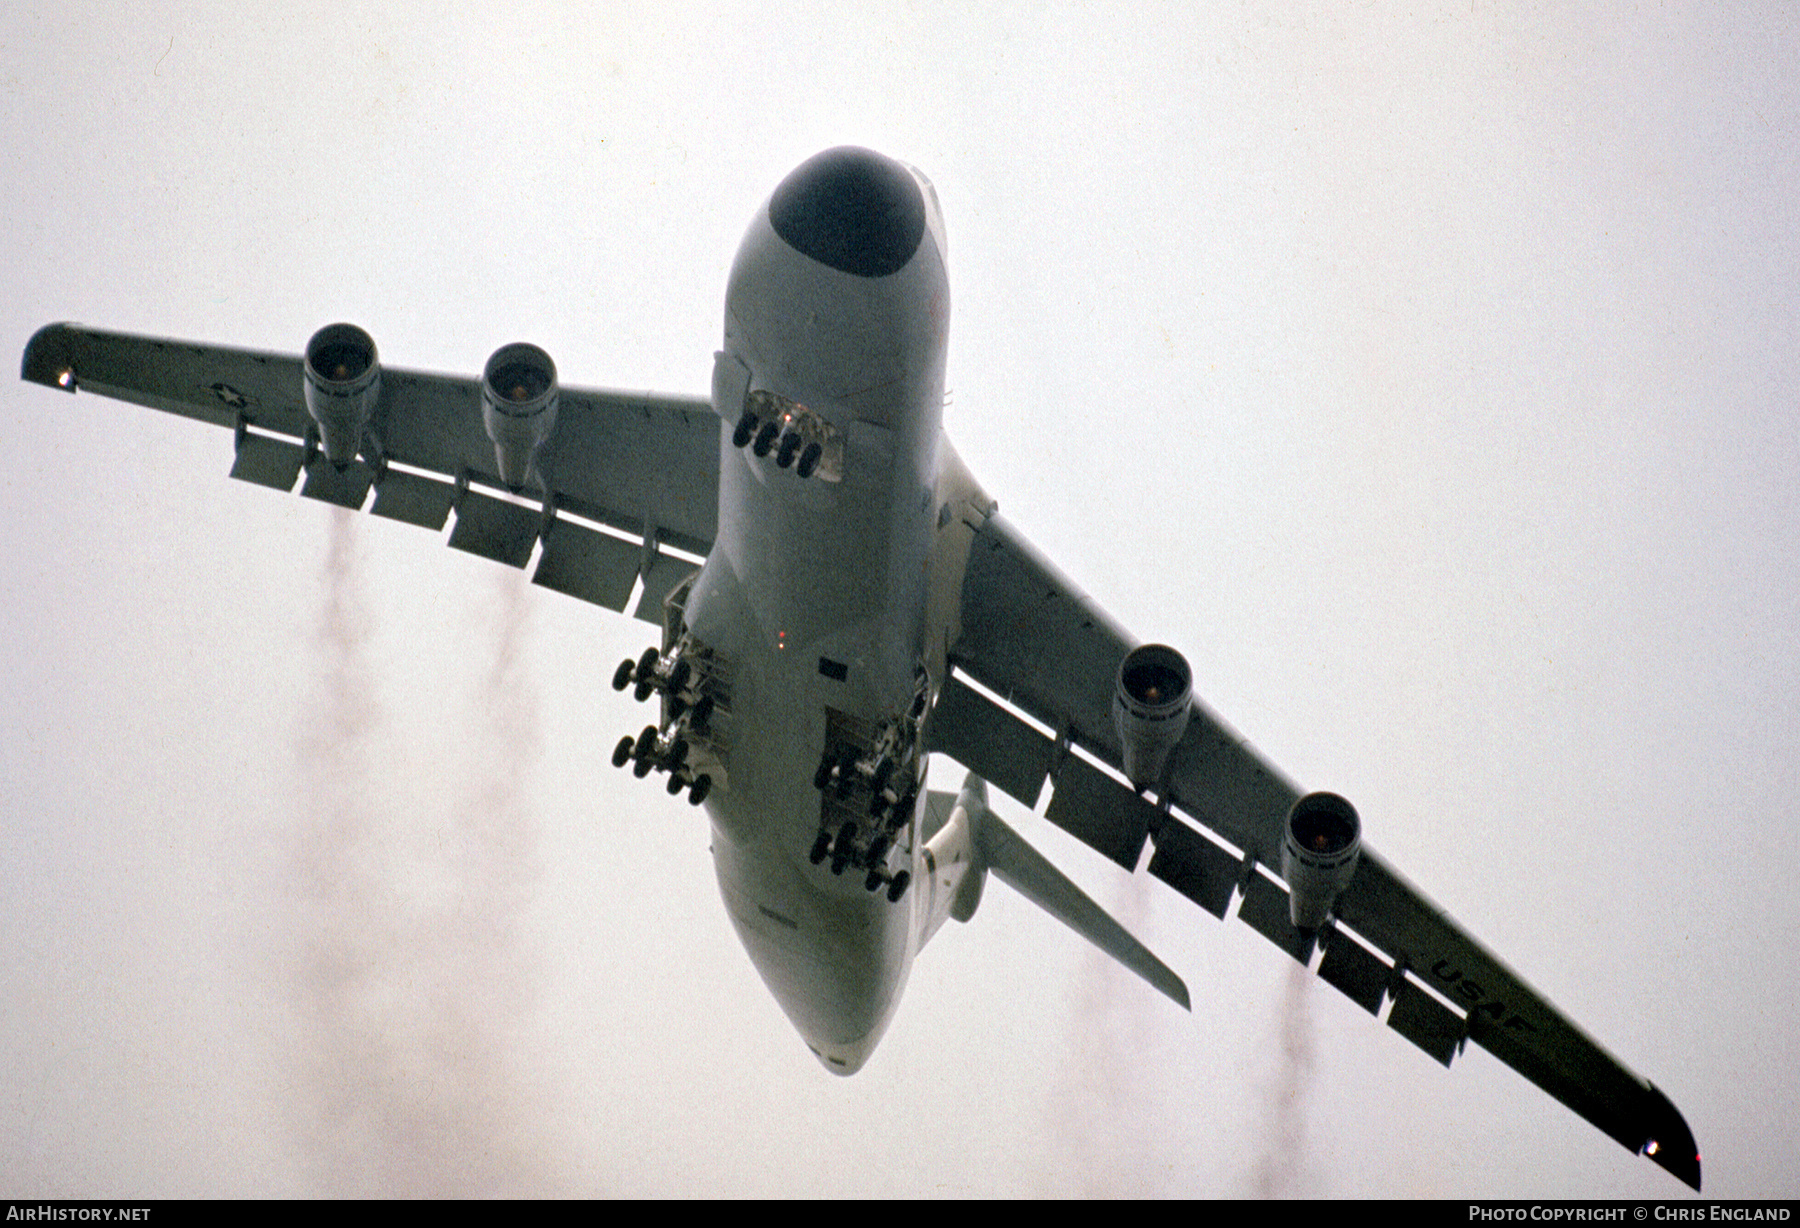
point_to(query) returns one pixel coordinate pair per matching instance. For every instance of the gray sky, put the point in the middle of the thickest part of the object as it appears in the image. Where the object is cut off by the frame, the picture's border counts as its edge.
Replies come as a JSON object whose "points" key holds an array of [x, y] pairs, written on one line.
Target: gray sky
{"points": [[1427, 377]]}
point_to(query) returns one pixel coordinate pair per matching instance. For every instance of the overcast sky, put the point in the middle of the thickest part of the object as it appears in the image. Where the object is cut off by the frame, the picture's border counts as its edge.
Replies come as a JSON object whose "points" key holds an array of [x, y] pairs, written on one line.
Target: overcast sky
{"points": [[1429, 378]]}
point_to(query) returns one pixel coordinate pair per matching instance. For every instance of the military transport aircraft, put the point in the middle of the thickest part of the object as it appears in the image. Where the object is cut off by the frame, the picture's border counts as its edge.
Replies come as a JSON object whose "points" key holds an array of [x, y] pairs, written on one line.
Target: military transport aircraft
{"points": [[838, 599]]}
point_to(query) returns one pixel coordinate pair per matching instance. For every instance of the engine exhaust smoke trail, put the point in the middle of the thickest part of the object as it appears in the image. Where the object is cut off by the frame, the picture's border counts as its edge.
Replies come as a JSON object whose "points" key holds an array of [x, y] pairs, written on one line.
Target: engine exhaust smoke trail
{"points": [[1104, 1096], [1284, 1168], [409, 978]]}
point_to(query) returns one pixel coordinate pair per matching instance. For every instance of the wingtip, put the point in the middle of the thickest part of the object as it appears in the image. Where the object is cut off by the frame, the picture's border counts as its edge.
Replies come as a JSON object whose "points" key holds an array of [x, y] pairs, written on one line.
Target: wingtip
{"points": [[1686, 1167], [49, 358], [1671, 1144]]}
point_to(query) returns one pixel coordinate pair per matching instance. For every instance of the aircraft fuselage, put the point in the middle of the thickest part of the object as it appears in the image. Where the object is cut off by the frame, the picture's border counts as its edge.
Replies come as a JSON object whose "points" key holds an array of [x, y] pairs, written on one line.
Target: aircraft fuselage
{"points": [[814, 597]]}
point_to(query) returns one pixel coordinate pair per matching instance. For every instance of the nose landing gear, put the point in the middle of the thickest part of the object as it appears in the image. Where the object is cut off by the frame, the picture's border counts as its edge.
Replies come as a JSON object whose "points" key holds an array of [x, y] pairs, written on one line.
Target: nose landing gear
{"points": [[801, 439]]}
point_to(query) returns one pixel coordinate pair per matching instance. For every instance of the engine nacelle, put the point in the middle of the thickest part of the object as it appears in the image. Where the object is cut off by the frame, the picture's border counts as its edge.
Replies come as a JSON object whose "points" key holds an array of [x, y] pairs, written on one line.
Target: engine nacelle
{"points": [[343, 382], [518, 407], [1320, 844], [1150, 709]]}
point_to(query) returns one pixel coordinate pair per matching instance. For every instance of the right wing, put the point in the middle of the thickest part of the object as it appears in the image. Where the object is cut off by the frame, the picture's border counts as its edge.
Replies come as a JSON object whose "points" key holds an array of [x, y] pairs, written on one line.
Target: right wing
{"points": [[1031, 637], [644, 465]]}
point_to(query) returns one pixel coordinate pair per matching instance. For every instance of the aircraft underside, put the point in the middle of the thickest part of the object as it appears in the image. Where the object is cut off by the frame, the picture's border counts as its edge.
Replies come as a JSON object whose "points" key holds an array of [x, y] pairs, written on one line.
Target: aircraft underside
{"points": [[838, 600]]}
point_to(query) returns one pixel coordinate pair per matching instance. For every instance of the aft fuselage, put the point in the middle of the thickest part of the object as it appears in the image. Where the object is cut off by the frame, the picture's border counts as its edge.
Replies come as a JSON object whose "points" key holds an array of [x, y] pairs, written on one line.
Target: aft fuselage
{"points": [[815, 595]]}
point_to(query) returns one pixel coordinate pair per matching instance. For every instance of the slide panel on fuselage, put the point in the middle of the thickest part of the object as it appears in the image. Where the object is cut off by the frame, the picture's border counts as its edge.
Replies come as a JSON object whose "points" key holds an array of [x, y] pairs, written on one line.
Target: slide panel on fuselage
{"points": [[347, 487], [593, 566], [495, 529], [1100, 812], [412, 499], [265, 461], [1195, 866], [990, 741], [1265, 910], [1354, 971], [1426, 1022]]}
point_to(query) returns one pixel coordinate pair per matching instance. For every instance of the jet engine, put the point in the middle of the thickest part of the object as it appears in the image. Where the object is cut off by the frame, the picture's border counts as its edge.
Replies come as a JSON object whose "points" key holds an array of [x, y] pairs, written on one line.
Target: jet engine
{"points": [[518, 407], [1320, 844], [343, 382], [1150, 709]]}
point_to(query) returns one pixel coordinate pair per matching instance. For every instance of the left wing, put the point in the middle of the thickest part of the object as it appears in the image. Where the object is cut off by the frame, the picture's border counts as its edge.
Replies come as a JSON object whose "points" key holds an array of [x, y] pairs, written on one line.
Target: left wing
{"points": [[1032, 638], [645, 466]]}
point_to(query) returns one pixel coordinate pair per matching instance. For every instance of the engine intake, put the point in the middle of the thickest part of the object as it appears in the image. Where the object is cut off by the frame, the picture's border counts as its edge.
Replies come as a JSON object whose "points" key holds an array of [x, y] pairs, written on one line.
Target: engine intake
{"points": [[1150, 709], [1320, 845], [518, 407], [343, 382]]}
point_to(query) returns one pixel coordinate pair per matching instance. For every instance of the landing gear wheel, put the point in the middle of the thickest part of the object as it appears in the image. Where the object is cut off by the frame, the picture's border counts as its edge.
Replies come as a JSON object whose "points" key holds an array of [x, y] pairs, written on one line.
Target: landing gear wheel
{"points": [[745, 429], [702, 713], [646, 742], [679, 675], [676, 783], [842, 847], [790, 444], [646, 663], [642, 767], [809, 459], [873, 881], [897, 888], [701, 787], [820, 847], [765, 438], [846, 771], [622, 675], [822, 774], [622, 752]]}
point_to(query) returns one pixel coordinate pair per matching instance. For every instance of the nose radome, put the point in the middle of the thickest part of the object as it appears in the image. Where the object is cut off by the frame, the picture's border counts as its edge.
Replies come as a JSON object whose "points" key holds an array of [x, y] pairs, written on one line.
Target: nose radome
{"points": [[852, 210]]}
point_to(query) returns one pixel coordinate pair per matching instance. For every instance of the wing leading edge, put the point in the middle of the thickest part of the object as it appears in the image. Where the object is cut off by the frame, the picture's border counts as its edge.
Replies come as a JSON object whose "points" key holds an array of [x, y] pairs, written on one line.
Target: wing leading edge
{"points": [[1037, 642], [643, 465]]}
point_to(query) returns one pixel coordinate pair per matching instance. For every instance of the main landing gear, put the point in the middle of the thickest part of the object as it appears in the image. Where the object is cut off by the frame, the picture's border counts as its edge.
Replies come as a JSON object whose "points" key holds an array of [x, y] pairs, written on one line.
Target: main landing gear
{"points": [[687, 715], [848, 849], [870, 785]]}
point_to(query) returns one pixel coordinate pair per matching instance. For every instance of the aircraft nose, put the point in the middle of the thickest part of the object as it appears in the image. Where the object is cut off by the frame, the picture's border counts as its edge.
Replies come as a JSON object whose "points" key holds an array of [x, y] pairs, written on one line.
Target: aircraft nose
{"points": [[852, 210]]}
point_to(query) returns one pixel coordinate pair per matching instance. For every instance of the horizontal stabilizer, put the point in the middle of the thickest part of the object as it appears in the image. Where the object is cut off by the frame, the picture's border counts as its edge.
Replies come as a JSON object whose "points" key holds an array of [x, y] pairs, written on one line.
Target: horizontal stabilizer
{"points": [[1027, 871]]}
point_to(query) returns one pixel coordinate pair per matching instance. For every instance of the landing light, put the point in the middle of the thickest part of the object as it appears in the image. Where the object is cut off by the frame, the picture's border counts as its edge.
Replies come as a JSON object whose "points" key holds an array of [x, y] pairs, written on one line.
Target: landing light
{"points": [[65, 378]]}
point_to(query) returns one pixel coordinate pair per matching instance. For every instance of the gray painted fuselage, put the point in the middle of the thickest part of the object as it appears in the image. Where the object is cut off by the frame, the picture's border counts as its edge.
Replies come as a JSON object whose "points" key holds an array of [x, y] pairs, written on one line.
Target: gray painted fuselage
{"points": [[816, 593]]}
